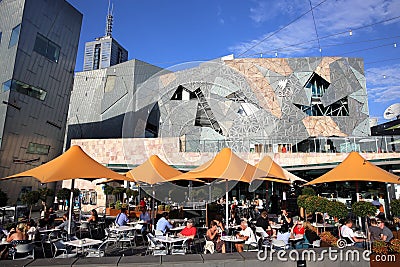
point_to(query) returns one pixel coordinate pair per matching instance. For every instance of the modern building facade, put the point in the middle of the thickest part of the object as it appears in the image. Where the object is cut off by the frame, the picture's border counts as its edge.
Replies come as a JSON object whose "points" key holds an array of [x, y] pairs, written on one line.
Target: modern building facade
{"points": [[243, 102], [103, 53], [38, 48]]}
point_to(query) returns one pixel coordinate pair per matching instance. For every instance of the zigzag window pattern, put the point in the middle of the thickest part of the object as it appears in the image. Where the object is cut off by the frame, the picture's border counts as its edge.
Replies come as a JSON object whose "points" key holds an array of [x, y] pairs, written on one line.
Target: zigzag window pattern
{"points": [[339, 109]]}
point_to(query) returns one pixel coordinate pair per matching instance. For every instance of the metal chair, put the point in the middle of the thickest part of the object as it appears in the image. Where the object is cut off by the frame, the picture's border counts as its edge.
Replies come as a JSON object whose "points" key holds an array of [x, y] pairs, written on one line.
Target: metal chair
{"points": [[280, 244], [26, 249], [98, 252], [155, 247], [180, 248]]}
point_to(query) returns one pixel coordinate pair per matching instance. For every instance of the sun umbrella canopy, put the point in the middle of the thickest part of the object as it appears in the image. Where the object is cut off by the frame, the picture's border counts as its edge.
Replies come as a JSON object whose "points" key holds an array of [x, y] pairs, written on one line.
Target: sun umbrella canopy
{"points": [[153, 171], [73, 164], [225, 165], [356, 168]]}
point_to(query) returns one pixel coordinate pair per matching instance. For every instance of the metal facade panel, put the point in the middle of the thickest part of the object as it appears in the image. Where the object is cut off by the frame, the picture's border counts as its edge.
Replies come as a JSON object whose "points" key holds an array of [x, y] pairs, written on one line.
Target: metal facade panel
{"points": [[60, 23]]}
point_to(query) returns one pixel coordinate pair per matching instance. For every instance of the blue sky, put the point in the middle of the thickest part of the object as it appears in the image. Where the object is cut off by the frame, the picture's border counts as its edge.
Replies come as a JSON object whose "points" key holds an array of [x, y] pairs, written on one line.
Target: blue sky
{"points": [[166, 33]]}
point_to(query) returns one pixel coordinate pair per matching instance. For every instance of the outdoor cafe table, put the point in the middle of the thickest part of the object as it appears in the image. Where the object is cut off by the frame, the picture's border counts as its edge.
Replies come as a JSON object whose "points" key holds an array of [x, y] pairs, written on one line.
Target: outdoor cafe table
{"points": [[294, 239], [231, 240], [276, 226], [169, 241], [177, 229], [322, 225], [121, 229], [82, 243]]}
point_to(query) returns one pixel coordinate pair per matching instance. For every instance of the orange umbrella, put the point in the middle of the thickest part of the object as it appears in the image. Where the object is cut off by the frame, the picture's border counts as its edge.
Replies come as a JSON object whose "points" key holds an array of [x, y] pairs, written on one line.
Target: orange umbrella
{"points": [[225, 165], [154, 170], [356, 168], [275, 172], [73, 164]]}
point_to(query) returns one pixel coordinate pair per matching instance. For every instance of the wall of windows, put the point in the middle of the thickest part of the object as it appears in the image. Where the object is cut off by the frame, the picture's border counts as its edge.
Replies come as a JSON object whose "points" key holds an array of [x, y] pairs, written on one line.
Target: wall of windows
{"points": [[46, 48], [40, 149], [25, 89]]}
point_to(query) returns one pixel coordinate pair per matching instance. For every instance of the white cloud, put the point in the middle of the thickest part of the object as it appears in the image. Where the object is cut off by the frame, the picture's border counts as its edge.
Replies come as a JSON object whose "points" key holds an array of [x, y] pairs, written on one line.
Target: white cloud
{"points": [[331, 17], [383, 84]]}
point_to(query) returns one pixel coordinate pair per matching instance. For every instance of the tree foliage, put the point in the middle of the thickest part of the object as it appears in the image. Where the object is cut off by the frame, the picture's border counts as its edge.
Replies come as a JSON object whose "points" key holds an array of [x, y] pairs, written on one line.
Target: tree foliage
{"points": [[395, 207], [3, 198], [337, 209], [63, 193], [30, 198], [45, 192], [308, 191], [363, 209]]}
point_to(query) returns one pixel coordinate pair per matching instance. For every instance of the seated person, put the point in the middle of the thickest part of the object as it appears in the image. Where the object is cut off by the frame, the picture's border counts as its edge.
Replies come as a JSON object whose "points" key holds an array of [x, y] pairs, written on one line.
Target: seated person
{"points": [[374, 232], [298, 230], [247, 235], [145, 217], [220, 226], [310, 233], [17, 233], [122, 218], [214, 235], [386, 234], [163, 223], [347, 233], [286, 219], [65, 224], [263, 222], [189, 231], [283, 234], [233, 218], [94, 217]]}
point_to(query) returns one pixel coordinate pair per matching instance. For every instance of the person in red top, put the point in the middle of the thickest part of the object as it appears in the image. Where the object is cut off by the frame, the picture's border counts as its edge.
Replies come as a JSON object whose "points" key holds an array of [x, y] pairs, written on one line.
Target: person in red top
{"points": [[298, 228], [189, 231]]}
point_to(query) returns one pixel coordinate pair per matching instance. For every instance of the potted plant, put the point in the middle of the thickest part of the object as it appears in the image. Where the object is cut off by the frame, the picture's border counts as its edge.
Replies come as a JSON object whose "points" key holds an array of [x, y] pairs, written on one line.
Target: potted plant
{"points": [[337, 210], [308, 191], [395, 210], [301, 202], [30, 198], [328, 239], [63, 194], [363, 209]]}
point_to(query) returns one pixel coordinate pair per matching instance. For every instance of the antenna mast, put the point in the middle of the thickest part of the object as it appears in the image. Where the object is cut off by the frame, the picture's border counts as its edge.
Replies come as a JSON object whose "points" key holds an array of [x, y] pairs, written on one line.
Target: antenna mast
{"points": [[110, 19]]}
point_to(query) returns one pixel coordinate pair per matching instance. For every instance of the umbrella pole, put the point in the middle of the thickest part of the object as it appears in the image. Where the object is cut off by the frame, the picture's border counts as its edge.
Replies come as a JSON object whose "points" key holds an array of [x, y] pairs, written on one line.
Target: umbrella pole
{"points": [[153, 210], [71, 198], [226, 204]]}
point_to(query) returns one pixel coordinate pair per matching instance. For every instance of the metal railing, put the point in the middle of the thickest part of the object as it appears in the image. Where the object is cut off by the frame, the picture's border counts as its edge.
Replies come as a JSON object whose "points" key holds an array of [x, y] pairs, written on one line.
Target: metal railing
{"points": [[367, 144]]}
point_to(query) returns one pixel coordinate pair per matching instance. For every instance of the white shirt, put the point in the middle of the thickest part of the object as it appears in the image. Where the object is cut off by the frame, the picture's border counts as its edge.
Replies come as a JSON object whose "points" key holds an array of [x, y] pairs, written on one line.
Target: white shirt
{"points": [[248, 232], [345, 231]]}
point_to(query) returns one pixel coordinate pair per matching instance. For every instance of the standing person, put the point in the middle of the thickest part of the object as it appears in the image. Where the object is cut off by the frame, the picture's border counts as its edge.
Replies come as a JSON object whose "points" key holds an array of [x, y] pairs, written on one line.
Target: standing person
{"points": [[247, 235], [347, 232], [386, 234], [163, 223], [189, 231], [259, 203], [274, 204], [122, 219], [214, 235], [55, 203], [145, 217]]}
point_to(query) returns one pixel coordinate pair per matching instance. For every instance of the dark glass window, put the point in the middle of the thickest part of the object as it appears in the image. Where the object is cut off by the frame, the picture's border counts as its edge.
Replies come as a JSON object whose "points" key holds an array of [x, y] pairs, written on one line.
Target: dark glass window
{"points": [[25, 89], [14, 36], [96, 56], [318, 85], [47, 48], [40, 149], [0, 32]]}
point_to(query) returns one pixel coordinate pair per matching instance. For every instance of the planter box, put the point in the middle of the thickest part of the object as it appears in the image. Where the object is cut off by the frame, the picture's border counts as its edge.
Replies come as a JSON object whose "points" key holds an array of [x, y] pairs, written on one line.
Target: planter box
{"points": [[112, 212]]}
